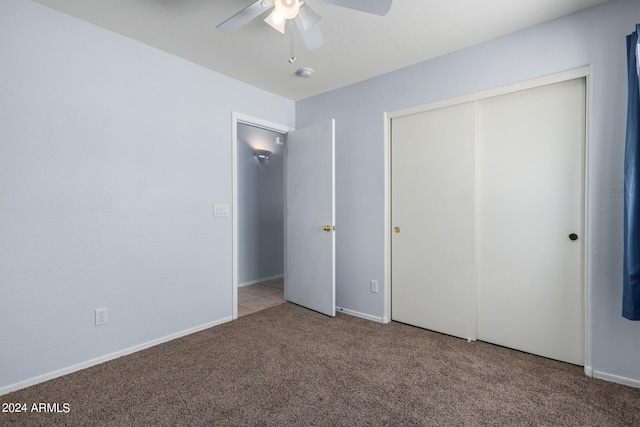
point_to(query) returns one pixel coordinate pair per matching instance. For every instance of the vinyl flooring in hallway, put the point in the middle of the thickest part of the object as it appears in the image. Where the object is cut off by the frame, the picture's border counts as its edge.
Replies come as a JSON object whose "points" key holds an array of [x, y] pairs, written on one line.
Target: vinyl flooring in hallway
{"points": [[259, 296]]}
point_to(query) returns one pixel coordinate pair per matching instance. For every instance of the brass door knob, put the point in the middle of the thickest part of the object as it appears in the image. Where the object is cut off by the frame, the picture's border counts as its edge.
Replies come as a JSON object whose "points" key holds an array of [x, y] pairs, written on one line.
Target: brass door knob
{"points": [[396, 229], [573, 236], [327, 228]]}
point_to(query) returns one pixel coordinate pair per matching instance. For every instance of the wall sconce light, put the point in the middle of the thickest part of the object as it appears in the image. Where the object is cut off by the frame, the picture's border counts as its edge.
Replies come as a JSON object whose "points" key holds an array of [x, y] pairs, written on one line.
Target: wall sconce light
{"points": [[262, 154]]}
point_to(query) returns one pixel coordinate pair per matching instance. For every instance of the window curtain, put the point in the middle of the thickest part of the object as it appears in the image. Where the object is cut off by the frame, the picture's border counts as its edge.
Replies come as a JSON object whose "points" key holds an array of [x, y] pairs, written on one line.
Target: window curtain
{"points": [[631, 269]]}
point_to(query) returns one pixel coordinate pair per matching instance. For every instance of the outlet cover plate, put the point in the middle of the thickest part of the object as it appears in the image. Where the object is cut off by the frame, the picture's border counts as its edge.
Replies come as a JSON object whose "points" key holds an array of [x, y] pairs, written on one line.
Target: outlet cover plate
{"points": [[221, 210], [374, 286], [101, 316]]}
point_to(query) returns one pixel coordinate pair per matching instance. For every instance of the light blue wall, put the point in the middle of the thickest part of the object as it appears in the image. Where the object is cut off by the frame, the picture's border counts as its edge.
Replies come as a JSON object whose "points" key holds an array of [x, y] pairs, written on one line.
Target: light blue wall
{"points": [[594, 38], [260, 206], [112, 155]]}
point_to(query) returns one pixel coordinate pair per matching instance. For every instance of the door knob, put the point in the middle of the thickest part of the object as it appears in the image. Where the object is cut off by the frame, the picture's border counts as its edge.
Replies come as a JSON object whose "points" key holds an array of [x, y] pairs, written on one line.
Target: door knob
{"points": [[573, 236], [396, 229], [327, 228]]}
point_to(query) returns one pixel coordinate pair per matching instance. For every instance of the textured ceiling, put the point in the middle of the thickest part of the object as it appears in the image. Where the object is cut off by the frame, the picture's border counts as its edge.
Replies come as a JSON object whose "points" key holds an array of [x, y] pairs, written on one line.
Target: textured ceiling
{"points": [[358, 45]]}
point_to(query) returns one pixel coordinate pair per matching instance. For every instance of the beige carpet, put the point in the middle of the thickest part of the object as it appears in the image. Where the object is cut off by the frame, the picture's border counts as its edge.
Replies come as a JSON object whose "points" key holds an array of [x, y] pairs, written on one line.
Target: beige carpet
{"points": [[293, 367]]}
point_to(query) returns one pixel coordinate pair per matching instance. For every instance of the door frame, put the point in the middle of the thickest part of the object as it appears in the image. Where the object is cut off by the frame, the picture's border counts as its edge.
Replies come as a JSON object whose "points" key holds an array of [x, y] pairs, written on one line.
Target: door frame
{"points": [[583, 72], [237, 118]]}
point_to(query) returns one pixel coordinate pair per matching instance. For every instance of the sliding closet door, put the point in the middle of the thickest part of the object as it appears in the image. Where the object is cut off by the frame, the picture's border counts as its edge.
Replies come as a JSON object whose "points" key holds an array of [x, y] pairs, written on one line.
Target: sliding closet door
{"points": [[432, 213], [530, 220]]}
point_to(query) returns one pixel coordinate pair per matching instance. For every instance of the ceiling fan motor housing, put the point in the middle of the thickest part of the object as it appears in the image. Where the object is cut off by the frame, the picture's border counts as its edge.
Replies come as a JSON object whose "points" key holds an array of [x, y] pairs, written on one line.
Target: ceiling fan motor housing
{"points": [[305, 18]]}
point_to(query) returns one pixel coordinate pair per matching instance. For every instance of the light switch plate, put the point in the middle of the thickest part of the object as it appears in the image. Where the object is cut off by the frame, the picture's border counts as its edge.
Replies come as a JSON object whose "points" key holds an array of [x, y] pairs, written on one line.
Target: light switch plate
{"points": [[221, 210]]}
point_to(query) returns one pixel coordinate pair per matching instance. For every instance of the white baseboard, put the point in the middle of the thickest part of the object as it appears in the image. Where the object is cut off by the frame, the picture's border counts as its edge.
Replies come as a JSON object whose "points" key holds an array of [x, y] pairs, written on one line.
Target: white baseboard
{"points": [[264, 279], [361, 315], [588, 371], [98, 360], [615, 378]]}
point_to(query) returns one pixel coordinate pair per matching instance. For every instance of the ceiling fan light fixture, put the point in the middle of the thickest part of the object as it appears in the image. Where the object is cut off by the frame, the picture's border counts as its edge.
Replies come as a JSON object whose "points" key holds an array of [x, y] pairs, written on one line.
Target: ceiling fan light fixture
{"points": [[308, 18], [276, 21], [288, 9]]}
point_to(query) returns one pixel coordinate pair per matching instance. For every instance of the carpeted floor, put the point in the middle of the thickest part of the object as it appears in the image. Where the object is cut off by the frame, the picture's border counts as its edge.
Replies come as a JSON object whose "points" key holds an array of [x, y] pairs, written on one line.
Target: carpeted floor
{"points": [[293, 367]]}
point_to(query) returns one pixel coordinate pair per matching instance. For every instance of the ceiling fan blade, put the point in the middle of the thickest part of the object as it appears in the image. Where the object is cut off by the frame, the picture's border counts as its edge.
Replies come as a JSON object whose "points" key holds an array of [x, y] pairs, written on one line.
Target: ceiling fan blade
{"points": [[377, 7], [312, 38], [241, 18]]}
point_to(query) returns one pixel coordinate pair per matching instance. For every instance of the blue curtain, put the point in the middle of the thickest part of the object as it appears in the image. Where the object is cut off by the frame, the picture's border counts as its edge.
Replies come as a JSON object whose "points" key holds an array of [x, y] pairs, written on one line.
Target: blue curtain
{"points": [[631, 269]]}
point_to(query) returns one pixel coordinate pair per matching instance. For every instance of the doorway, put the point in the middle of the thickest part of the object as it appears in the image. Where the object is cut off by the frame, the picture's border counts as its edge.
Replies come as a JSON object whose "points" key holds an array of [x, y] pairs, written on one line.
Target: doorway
{"points": [[250, 134], [309, 231], [260, 218]]}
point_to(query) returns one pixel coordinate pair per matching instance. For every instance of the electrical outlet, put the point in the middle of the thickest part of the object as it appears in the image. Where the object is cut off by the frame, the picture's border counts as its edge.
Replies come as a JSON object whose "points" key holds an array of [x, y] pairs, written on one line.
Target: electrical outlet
{"points": [[101, 316], [374, 286]]}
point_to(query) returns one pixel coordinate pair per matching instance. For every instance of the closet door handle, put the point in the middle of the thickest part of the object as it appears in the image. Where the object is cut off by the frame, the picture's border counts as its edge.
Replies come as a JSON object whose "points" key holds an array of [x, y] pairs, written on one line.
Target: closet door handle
{"points": [[573, 236]]}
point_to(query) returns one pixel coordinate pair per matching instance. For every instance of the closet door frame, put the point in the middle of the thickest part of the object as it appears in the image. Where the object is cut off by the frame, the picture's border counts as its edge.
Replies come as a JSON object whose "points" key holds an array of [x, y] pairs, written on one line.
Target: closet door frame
{"points": [[477, 96]]}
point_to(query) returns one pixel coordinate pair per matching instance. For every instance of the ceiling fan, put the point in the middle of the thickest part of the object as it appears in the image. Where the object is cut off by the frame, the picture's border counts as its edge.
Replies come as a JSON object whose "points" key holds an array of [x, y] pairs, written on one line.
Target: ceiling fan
{"points": [[301, 13]]}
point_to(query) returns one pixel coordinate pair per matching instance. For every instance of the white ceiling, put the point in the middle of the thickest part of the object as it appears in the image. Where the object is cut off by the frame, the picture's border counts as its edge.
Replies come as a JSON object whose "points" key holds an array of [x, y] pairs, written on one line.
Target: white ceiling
{"points": [[358, 45]]}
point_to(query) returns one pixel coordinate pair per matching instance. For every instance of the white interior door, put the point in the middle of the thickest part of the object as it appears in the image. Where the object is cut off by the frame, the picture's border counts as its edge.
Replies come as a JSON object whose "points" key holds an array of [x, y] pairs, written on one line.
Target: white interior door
{"points": [[432, 212], [530, 199], [310, 218]]}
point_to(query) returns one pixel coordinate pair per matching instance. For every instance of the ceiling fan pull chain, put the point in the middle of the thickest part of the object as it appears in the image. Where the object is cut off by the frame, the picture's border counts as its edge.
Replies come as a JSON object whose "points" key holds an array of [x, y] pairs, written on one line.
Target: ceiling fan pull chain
{"points": [[292, 53]]}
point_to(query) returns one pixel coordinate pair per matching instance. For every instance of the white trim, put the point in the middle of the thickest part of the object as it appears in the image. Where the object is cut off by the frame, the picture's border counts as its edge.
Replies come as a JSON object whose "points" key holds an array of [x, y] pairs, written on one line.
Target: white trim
{"points": [[264, 279], [386, 292], [585, 230], [616, 379], [583, 72], [588, 370], [264, 124], [98, 360], [476, 219], [361, 315], [488, 93]]}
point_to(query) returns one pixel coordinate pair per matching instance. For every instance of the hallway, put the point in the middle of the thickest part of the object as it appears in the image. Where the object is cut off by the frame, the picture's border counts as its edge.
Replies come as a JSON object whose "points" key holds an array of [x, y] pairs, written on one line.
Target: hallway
{"points": [[256, 297]]}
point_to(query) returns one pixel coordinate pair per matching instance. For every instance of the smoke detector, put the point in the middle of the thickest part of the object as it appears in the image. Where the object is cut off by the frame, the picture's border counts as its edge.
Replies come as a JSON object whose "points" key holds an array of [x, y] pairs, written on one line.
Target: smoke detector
{"points": [[305, 72]]}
